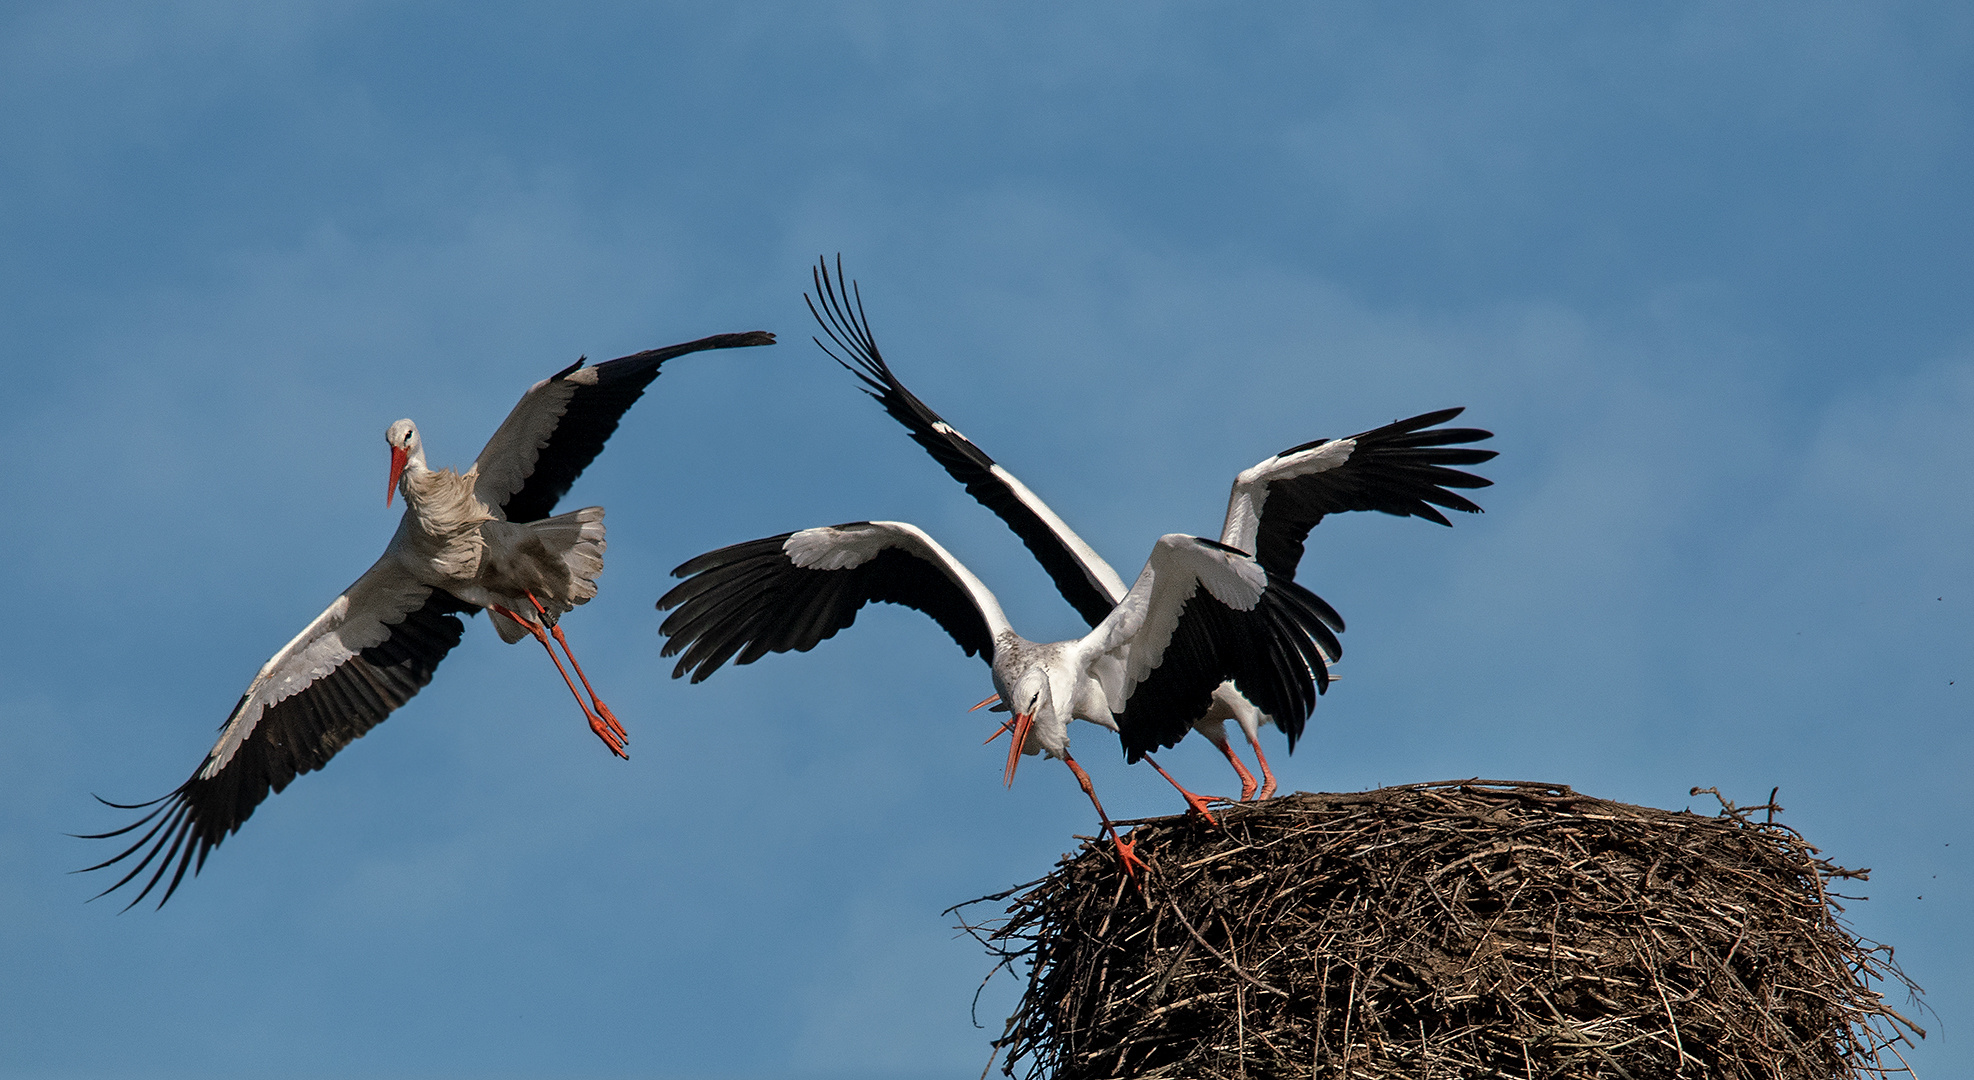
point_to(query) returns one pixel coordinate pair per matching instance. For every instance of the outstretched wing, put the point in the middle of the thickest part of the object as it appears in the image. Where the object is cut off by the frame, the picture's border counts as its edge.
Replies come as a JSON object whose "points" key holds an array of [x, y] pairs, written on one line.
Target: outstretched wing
{"points": [[793, 590], [1083, 578], [560, 425], [1202, 613], [1403, 468], [374, 648]]}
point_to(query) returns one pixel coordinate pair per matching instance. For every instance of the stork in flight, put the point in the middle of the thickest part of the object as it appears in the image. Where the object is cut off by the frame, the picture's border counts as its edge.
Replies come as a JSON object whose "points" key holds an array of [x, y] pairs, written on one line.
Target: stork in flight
{"points": [[467, 541], [1201, 613], [1404, 468]]}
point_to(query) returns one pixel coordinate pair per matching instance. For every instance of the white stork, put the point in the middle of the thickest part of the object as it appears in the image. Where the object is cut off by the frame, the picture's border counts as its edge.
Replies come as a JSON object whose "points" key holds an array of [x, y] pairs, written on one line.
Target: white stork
{"points": [[1402, 468], [1201, 613], [481, 539]]}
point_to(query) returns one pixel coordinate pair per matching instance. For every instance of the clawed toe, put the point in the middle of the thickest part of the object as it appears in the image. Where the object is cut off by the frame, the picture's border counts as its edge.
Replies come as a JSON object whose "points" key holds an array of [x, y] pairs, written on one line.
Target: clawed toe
{"points": [[610, 718], [610, 738], [1196, 804], [1128, 855]]}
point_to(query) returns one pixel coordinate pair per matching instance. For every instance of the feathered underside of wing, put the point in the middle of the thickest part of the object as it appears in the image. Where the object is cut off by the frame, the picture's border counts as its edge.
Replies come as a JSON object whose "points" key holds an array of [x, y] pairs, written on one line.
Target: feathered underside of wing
{"points": [[1404, 468], [539, 451], [296, 735], [747, 600], [1078, 573], [1276, 653]]}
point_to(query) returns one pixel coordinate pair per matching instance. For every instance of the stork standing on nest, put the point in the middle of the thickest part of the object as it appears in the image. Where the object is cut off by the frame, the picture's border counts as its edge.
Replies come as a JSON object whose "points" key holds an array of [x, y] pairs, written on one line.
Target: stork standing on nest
{"points": [[1403, 468], [467, 541], [1201, 613]]}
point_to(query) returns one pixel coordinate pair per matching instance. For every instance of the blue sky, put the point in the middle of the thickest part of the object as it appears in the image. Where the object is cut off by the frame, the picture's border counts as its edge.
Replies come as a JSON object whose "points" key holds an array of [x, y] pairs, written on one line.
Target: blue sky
{"points": [[1704, 270]]}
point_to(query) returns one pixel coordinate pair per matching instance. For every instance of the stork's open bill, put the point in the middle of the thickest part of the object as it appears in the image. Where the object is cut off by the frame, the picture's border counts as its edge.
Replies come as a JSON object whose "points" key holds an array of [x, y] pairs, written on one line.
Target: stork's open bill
{"points": [[1404, 468], [482, 539], [1201, 613]]}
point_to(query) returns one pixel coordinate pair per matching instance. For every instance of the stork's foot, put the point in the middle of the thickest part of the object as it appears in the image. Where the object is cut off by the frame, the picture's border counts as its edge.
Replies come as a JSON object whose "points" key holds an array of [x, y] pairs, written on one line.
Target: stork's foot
{"points": [[610, 720], [611, 733], [1127, 853], [1196, 804]]}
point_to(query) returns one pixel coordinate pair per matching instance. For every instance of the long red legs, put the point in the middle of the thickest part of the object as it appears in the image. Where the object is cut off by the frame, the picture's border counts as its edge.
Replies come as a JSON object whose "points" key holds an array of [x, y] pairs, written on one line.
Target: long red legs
{"points": [[596, 724], [602, 709], [1267, 774], [1247, 778], [1192, 800], [1126, 852], [1023, 723]]}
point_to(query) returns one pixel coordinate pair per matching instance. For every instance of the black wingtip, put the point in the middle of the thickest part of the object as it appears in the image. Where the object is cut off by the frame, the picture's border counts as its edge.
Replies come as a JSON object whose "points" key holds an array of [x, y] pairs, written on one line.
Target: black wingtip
{"points": [[645, 361], [169, 836], [838, 308], [131, 806], [744, 340]]}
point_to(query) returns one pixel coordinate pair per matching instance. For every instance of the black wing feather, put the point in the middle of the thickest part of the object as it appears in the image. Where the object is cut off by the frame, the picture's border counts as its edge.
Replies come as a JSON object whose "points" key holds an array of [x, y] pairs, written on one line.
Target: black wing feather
{"points": [[750, 599], [841, 315], [1399, 469], [1277, 655], [593, 415], [296, 735]]}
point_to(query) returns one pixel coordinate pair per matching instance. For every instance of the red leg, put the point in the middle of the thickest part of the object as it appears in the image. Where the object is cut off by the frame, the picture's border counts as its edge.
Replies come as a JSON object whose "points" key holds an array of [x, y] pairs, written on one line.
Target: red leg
{"points": [[1125, 851], [1247, 778], [596, 724], [1267, 774], [602, 709], [1198, 804]]}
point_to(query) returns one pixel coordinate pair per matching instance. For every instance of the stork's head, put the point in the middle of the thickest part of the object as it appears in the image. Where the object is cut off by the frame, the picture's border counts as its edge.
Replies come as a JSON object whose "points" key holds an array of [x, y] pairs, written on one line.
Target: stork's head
{"points": [[403, 437], [1030, 696]]}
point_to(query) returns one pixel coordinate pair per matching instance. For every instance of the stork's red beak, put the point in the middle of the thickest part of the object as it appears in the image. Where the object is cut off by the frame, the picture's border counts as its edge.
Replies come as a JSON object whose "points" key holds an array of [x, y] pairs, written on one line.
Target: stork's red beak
{"points": [[1022, 723], [398, 458]]}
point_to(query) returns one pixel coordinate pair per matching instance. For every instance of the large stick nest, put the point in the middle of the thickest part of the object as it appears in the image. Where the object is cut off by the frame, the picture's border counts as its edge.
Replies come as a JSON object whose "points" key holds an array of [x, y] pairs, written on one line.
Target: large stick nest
{"points": [[1462, 929]]}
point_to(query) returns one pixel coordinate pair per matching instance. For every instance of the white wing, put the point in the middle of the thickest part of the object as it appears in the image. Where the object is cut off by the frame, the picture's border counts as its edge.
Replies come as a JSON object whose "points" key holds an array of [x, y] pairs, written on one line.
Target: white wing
{"points": [[1403, 468], [1202, 613], [1250, 492], [508, 459], [792, 591], [375, 647], [560, 425], [1083, 578], [363, 617]]}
